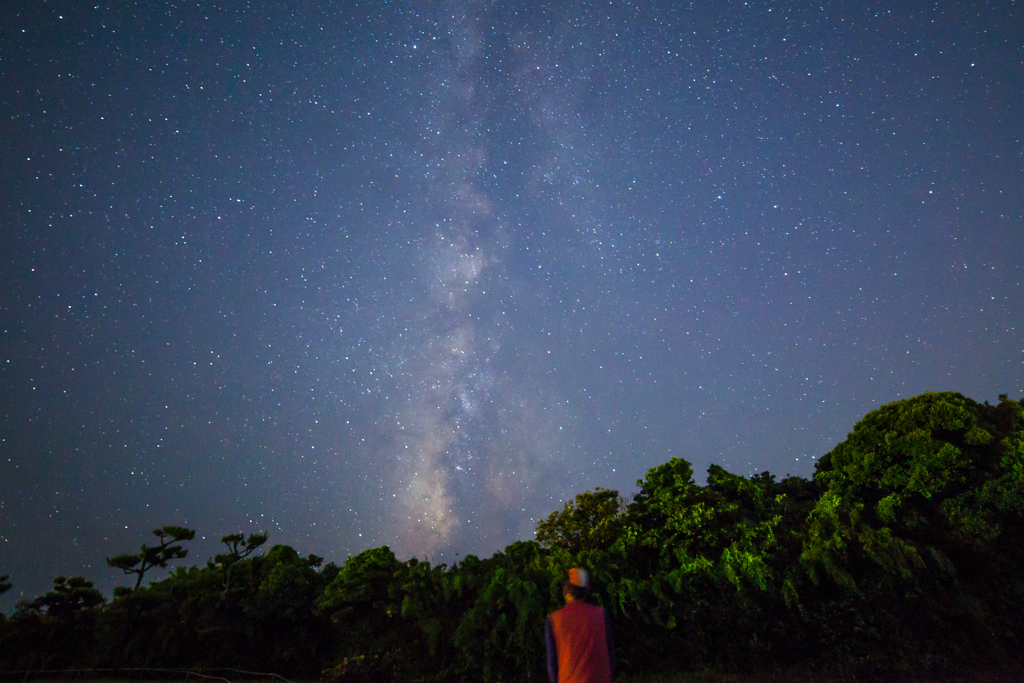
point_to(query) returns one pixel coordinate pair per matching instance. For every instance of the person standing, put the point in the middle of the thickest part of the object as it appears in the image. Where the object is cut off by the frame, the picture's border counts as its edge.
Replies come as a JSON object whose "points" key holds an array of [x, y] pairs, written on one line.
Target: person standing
{"points": [[578, 637]]}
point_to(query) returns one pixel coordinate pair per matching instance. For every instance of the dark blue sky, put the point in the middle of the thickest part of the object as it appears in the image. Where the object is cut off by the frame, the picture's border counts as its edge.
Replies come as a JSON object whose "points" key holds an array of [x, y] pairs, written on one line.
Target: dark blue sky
{"points": [[416, 273]]}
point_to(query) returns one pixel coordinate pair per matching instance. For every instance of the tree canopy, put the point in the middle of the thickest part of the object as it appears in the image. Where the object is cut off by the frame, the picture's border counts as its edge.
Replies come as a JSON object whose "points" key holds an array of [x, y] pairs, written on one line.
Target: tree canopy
{"points": [[901, 553], [157, 556]]}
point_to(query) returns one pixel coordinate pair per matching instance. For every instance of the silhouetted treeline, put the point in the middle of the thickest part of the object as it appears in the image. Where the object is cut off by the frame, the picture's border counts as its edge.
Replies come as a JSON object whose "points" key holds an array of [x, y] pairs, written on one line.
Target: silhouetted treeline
{"points": [[903, 553]]}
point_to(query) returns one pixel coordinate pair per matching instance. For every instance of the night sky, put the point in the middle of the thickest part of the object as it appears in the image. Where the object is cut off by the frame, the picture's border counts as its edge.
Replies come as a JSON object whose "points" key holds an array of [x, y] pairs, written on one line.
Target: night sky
{"points": [[415, 273]]}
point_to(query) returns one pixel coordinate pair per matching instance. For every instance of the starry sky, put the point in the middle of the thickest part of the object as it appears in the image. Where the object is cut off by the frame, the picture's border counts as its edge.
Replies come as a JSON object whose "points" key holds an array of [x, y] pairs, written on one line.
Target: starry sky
{"points": [[416, 273]]}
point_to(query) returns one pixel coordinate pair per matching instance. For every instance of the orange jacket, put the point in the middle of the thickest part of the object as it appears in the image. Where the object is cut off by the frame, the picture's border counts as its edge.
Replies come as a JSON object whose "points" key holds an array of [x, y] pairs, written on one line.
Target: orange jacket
{"points": [[579, 644]]}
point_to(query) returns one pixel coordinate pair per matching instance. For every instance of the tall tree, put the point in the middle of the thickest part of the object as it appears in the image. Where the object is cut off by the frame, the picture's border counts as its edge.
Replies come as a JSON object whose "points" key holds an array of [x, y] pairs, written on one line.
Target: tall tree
{"points": [[919, 482], [239, 548], [590, 522], [68, 597], [156, 556]]}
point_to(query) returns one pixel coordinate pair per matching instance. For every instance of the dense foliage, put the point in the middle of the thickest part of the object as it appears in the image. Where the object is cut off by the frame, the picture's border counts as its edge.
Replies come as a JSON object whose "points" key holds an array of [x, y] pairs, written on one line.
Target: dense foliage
{"points": [[900, 553]]}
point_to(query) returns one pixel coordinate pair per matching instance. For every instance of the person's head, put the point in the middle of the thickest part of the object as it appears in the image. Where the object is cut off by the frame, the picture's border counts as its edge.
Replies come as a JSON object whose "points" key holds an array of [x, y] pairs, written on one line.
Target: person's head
{"points": [[576, 583]]}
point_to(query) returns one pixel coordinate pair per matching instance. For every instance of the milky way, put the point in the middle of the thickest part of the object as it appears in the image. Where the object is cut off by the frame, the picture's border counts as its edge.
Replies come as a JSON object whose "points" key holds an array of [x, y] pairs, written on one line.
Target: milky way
{"points": [[469, 440]]}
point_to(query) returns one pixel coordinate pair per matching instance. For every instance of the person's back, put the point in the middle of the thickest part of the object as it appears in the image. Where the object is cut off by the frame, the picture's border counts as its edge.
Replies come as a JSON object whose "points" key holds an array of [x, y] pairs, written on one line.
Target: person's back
{"points": [[578, 637]]}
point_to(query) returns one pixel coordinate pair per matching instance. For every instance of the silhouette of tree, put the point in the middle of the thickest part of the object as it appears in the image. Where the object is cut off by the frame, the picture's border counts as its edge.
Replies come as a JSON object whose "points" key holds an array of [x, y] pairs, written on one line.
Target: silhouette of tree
{"points": [[239, 548], [68, 597], [158, 556]]}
